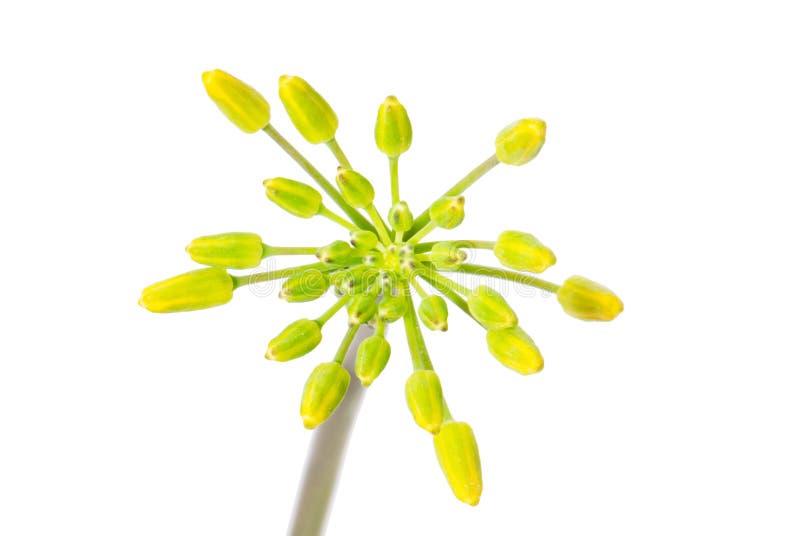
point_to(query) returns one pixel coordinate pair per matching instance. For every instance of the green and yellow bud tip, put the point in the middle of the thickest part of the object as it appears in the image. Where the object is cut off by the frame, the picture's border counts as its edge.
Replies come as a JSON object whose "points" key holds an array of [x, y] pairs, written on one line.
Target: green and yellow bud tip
{"points": [[392, 308], [363, 240], [392, 128], [425, 400], [293, 196], [323, 392], [243, 105], [372, 357], [305, 286], [311, 115], [199, 289], [433, 312], [335, 252], [296, 340], [400, 217], [457, 452], [227, 250], [490, 309], [447, 212], [520, 142], [587, 300], [445, 256], [515, 349], [355, 187], [522, 251], [361, 309]]}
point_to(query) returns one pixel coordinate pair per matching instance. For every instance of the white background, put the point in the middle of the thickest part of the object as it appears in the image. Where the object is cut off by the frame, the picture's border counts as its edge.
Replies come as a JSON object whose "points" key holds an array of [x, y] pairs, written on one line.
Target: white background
{"points": [[669, 175]]}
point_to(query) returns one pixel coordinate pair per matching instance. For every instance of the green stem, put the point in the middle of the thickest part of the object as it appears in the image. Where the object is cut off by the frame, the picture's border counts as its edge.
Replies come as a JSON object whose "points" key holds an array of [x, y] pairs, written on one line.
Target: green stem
{"points": [[281, 250], [457, 189], [326, 212], [395, 179], [332, 310], [449, 283], [242, 280], [320, 179], [473, 244], [416, 344], [450, 294], [333, 145], [418, 287], [380, 327], [508, 275], [416, 237], [379, 225], [347, 340]]}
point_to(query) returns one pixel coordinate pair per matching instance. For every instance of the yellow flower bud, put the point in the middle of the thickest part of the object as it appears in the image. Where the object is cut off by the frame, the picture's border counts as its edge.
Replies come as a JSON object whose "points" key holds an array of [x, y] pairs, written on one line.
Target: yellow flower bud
{"points": [[515, 349], [445, 256], [520, 142], [312, 116], [490, 309], [335, 252], [392, 129], [433, 312], [296, 340], [391, 308], [361, 309], [240, 103], [305, 286], [447, 212], [199, 289], [227, 250], [363, 240], [587, 300], [425, 400], [355, 187], [323, 392], [294, 197], [522, 251], [373, 354], [457, 452], [400, 217]]}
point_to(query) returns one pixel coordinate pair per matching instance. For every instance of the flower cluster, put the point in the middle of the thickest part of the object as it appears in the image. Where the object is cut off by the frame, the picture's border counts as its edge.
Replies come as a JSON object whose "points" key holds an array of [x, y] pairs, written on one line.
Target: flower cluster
{"points": [[373, 272]]}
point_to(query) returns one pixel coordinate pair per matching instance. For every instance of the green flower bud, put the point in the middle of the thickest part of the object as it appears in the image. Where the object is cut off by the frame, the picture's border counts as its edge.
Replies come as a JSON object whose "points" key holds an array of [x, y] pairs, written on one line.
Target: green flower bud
{"points": [[457, 452], [361, 309], [448, 212], [296, 340], [311, 114], [356, 188], [425, 400], [433, 312], [199, 289], [323, 392], [391, 308], [587, 300], [294, 197], [515, 349], [373, 259], [522, 251], [373, 354], [305, 286], [335, 252], [445, 256], [520, 141], [400, 217], [240, 103], [490, 309], [392, 129], [227, 250], [363, 240]]}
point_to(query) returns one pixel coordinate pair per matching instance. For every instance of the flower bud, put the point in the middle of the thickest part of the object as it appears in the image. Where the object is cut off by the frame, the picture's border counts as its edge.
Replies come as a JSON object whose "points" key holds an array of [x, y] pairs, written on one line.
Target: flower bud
{"points": [[425, 400], [373, 354], [311, 114], [520, 141], [294, 197], [457, 452], [323, 392], [515, 349], [447, 212], [335, 252], [345, 281], [199, 289], [392, 129], [433, 312], [355, 187], [445, 256], [227, 250], [587, 300], [296, 340], [400, 217], [522, 251], [391, 308], [361, 309], [240, 103], [490, 309], [305, 286], [363, 240]]}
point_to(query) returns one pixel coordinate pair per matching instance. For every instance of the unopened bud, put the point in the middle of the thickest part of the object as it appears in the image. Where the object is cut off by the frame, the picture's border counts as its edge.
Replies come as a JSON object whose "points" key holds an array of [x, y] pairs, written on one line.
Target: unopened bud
{"points": [[425, 400], [373, 354], [447, 212], [522, 251], [294, 197], [363, 240], [335, 252], [457, 452], [433, 312], [391, 308], [400, 217], [199, 289], [355, 187], [361, 309], [392, 129], [515, 349], [490, 309], [587, 300], [323, 392], [520, 142], [311, 114], [296, 340], [445, 256], [227, 250], [305, 286], [240, 103]]}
